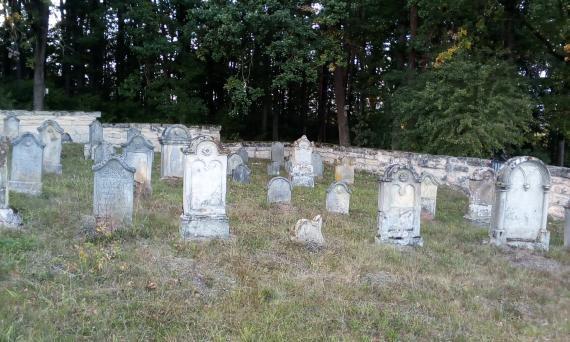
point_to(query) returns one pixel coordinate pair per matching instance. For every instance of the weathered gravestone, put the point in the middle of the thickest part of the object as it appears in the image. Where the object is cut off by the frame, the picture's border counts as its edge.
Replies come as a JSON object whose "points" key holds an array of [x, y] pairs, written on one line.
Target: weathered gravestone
{"points": [[113, 187], [317, 162], [273, 169], [338, 198], [308, 232], [399, 206], [8, 218], [204, 197], [344, 171], [277, 153], [481, 195], [139, 154], [242, 174], [521, 204], [301, 172], [429, 186], [27, 164], [103, 150], [95, 137], [234, 160], [279, 190], [131, 132], [11, 126], [567, 226], [242, 152], [173, 140], [50, 136]]}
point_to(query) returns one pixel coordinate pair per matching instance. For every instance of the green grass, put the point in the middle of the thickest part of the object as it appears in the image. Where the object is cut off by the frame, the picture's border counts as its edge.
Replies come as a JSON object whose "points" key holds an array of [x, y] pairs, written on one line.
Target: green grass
{"points": [[57, 285]]}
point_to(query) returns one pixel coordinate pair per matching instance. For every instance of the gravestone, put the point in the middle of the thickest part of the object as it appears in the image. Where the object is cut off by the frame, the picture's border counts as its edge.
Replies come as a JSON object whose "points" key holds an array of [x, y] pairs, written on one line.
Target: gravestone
{"points": [[234, 160], [308, 232], [8, 218], [338, 198], [95, 137], [27, 164], [279, 190], [302, 173], [344, 171], [399, 206], [113, 187], [273, 169], [139, 154], [50, 136], [317, 162], [102, 151], [567, 226], [131, 132], [277, 153], [173, 140], [521, 204], [481, 196], [242, 174], [429, 186], [204, 194], [11, 126], [242, 152]]}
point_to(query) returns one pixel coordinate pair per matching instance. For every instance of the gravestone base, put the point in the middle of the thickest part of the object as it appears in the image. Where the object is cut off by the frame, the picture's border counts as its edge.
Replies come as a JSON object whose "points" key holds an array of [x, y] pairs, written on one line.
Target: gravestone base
{"points": [[9, 219], [405, 241], [30, 188], [303, 180], [479, 213], [204, 226], [53, 168], [540, 244], [273, 169]]}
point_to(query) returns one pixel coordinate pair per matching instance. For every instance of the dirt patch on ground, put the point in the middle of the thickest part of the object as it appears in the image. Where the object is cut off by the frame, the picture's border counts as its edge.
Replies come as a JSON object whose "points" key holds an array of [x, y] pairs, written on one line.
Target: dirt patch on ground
{"points": [[532, 260]]}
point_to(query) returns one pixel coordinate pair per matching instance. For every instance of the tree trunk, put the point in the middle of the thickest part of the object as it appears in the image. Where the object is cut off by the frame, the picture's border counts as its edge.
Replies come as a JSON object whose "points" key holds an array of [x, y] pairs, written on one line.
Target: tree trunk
{"points": [[278, 109], [561, 151], [340, 100], [322, 103], [40, 53], [413, 32]]}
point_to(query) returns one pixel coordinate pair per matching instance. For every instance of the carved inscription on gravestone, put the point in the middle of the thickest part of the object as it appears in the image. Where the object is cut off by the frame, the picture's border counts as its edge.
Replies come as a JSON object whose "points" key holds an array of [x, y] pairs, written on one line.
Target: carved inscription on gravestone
{"points": [[113, 192]]}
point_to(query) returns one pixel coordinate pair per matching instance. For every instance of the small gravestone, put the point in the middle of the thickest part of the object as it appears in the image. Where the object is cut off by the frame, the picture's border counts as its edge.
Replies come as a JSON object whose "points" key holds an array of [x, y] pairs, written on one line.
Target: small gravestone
{"points": [[273, 169], [173, 140], [103, 150], [338, 198], [131, 132], [113, 187], [521, 204], [242, 152], [308, 232], [242, 174], [317, 162], [399, 206], [301, 172], [95, 137], [27, 164], [279, 190], [204, 192], [234, 160], [8, 218], [139, 154], [344, 171], [50, 136], [428, 195], [567, 226], [11, 126], [277, 153], [481, 196]]}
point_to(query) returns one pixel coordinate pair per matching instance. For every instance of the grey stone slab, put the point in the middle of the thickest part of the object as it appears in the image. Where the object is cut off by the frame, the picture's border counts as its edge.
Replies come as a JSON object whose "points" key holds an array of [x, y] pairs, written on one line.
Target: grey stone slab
{"points": [[344, 171], [429, 185], [113, 192], [102, 151], [51, 136], [27, 165], [567, 226], [481, 196], [131, 132], [11, 126], [234, 160], [302, 173], [174, 139], [242, 174], [338, 198], [242, 152], [308, 232], [8, 218], [139, 154], [279, 190], [278, 153], [273, 169], [317, 162]]}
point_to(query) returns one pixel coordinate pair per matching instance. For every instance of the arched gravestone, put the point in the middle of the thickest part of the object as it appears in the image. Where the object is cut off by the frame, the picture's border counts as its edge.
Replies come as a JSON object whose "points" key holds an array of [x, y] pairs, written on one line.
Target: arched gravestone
{"points": [[27, 165], [234, 160], [8, 218], [95, 137], [338, 198], [242, 174], [521, 204], [399, 206], [204, 197], [173, 140], [302, 173], [11, 126], [317, 162], [102, 151], [242, 152], [139, 154], [131, 132], [429, 186], [279, 190], [50, 135], [481, 195], [113, 187]]}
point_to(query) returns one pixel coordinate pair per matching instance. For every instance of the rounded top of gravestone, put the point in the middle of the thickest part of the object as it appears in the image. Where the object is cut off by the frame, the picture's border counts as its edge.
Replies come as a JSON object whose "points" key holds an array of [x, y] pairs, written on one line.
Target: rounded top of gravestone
{"points": [[113, 159], [191, 149], [175, 134], [279, 179], [95, 122], [137, 142], [342, 185], [409, 174], [428, 176], [303, 143], [483, 173], [505, 173], [11, 116], [28, 138], [203, 148], [51, 123]]}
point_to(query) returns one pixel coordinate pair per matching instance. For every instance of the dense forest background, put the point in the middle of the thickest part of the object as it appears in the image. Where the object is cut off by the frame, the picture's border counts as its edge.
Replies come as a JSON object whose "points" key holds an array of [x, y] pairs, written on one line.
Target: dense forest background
{"points": [[460, 77]]}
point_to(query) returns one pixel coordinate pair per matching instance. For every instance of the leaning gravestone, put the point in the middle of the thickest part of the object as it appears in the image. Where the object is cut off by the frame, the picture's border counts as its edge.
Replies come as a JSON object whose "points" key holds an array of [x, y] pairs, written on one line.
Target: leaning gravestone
{"points": [[204, 197], [95, 137], [234, 160], [8, 218], [308, 232], [103, 150], [139, 154], [481, 195], [242, 152], [344, 171], [338, 198], [11, 126], [428, 195], [27, 164], [173, 140], [521, 204], [302, 173], [317, 162], [50, 135], [399, 206], [242, 174], [131, 132], [279, 190], [113, 186]]}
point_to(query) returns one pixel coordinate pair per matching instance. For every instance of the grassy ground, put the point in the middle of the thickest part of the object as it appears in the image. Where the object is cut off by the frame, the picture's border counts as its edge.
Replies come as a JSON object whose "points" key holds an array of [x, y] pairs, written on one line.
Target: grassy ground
{"points": [[146, 284]]}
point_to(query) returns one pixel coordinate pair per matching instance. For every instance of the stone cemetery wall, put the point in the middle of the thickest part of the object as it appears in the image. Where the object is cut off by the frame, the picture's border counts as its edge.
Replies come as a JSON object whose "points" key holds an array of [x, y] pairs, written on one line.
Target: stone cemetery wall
{"points": [[116, 134], [451, 171]]}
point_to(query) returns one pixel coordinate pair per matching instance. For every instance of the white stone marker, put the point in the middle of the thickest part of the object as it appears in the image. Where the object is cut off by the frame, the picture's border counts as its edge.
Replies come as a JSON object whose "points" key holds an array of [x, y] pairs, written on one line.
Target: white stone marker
{"points": [[50, 136], [204, 197], [308, 232], [277, 153], [279, 190], [95, 137], [113, 187], [173, 140], [317, 162], [302, 173], [234, 160], [11, 126], [429, 186], [338, 198], [521, 204], [481, 195], [27, 165], [344, 171], [399, 206], [8, 218], [139, 154]]}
